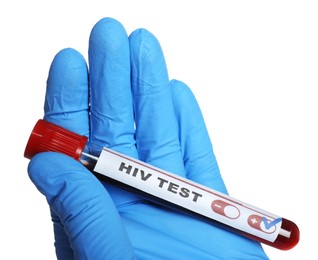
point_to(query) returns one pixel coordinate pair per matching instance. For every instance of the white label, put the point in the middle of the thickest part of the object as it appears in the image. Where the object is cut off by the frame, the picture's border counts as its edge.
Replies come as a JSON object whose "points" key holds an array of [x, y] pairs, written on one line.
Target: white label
{"points": [[188, 194]]}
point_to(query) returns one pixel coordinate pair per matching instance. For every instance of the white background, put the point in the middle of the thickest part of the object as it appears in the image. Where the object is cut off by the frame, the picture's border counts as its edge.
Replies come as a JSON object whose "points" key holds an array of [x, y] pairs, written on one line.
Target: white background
{"points": [[251, 64]]}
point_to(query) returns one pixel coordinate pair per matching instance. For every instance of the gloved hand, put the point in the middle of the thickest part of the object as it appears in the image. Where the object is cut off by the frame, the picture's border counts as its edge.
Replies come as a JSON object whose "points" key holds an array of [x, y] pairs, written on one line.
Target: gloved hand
{"points": [[127, 103]]}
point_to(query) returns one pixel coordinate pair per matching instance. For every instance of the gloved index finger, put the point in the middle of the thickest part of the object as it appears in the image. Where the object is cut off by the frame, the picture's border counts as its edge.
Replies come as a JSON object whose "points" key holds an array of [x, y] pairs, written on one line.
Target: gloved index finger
{"points": [[112, 123], [66, 99]]}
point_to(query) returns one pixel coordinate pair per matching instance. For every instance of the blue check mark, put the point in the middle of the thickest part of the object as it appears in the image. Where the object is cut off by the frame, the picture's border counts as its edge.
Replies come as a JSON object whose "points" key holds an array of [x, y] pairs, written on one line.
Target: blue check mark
{"points": [[269, 224]]}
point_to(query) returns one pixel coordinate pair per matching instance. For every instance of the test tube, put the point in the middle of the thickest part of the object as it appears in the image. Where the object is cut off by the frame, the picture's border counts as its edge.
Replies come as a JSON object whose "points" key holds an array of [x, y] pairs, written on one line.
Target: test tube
{"points": [[165, 188]]}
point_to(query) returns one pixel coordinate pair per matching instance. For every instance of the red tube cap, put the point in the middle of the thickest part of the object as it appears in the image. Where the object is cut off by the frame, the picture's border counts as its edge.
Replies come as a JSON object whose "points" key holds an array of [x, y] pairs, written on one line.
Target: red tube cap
{"points": [[48, 137]]}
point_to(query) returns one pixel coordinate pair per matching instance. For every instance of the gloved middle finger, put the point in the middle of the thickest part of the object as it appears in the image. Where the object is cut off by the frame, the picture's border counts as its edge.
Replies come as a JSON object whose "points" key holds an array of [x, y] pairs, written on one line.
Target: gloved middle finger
{"points": [[112, 122]]}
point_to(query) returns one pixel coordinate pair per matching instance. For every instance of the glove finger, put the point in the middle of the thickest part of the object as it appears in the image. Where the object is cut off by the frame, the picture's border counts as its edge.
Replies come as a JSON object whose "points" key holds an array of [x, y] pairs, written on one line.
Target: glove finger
{"points": [[66, 104], [83, 206], [66, 99], [112, 121], [63, 248], [198, 156], [156, 125]]}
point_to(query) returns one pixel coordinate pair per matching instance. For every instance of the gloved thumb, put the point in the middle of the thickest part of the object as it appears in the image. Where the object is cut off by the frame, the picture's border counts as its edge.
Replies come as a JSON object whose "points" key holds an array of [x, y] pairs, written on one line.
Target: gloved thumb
{"points": [[82, 207]]}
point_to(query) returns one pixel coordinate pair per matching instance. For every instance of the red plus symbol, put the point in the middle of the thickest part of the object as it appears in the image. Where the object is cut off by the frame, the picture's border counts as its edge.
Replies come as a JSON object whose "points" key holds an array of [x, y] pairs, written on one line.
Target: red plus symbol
{"points": [[254, 220]]}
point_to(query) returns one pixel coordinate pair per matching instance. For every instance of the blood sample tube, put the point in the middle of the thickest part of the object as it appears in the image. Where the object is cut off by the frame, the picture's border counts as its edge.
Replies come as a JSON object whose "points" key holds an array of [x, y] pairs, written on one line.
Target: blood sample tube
{"points": [[166, 188]]}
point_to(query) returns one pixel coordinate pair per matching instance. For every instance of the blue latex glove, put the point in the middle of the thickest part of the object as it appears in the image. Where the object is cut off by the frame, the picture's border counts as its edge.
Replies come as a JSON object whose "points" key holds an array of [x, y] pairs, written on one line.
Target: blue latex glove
{"points": [[128, 82]]}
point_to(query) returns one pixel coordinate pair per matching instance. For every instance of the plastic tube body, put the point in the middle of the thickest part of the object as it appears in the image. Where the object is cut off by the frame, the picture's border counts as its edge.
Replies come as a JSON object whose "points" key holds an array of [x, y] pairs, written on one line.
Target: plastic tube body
{"points": [[181, 194]]}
